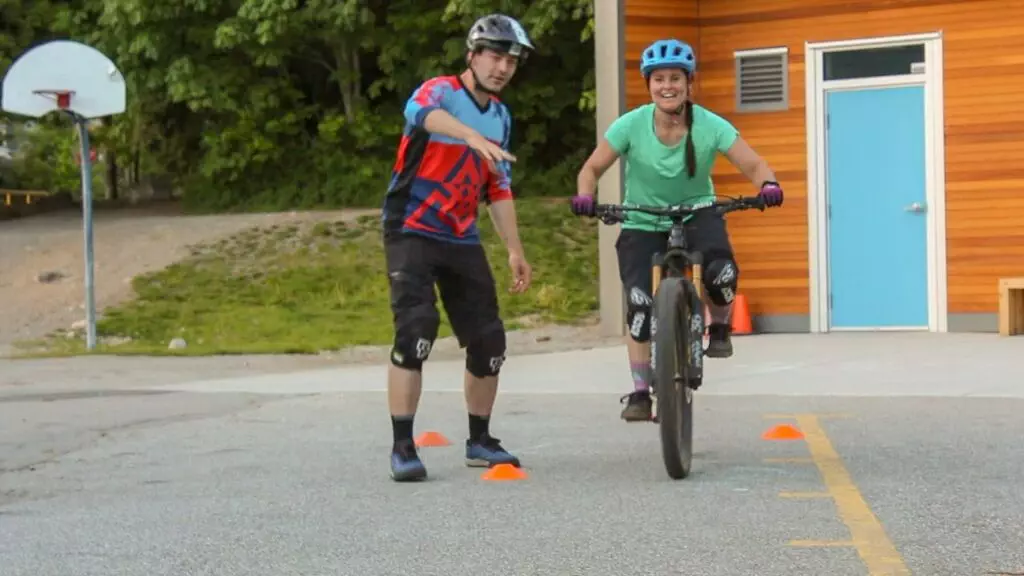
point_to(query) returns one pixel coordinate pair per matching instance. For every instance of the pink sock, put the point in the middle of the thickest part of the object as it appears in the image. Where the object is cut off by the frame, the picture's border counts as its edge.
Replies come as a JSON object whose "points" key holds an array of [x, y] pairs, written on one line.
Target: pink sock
{"points": [[641, 375]]}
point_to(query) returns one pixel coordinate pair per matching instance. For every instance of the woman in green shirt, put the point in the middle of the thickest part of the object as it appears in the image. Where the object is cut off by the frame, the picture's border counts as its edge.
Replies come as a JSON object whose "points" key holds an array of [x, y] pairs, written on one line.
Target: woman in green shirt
{"points": [[663, 170]]}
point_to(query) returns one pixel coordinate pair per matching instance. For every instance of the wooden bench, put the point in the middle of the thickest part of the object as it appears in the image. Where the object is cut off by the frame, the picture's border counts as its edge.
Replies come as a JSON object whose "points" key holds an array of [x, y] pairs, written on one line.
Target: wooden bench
{"points": [[28, 194], [1011, 306]]}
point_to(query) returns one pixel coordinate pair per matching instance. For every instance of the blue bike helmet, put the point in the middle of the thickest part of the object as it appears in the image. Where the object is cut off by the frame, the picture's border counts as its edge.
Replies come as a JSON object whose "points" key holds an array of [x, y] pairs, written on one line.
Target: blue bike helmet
{"points": [[669, 53]]}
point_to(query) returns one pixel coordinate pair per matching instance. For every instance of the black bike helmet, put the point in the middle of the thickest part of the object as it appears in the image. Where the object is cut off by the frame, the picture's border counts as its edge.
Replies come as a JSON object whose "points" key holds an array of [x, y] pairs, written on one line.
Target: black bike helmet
{"points": [[501, 33]]}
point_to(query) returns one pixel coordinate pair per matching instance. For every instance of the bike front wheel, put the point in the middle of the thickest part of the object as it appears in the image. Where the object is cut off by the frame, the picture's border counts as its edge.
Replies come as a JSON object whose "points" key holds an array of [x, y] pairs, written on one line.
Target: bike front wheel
{"points": [[671, 347]]}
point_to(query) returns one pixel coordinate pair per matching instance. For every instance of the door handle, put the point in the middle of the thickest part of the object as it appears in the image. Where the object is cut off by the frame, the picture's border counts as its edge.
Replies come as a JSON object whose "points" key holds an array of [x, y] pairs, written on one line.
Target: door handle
{"points": [[915, 207]]}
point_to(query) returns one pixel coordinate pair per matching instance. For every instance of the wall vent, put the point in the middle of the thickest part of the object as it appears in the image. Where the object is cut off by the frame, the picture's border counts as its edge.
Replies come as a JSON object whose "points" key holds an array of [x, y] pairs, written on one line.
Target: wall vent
{"points": [[762, 80]]}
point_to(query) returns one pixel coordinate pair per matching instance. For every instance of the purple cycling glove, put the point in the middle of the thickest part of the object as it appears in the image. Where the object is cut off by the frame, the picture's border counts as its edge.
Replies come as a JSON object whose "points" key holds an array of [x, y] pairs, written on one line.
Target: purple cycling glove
{"points": [[772, 194], [582, 205]]}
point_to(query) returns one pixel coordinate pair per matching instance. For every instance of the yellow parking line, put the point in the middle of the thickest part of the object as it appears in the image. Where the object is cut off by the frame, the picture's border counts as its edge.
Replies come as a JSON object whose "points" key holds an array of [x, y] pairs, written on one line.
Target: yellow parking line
{"points": [[873, 545]]}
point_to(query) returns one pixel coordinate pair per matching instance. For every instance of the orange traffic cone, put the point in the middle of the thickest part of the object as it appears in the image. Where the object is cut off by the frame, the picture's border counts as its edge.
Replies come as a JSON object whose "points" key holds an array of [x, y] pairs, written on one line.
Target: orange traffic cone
{"points": [[741, 323], [432, 439], [503, 472], [783, 432]]}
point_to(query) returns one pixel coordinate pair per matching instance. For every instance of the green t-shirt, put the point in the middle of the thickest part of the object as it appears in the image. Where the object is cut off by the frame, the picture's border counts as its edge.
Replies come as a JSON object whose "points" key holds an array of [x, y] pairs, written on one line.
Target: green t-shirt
{"points": [[656, 174]]}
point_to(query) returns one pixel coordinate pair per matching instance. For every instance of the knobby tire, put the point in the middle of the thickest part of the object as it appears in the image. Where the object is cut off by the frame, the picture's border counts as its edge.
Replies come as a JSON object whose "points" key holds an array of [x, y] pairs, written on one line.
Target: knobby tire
{"points": [[672, 341]]}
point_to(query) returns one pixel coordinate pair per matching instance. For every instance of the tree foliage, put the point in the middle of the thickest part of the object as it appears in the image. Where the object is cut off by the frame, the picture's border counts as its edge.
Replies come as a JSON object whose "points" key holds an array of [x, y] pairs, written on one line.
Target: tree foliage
{"points": [[273, 104]]}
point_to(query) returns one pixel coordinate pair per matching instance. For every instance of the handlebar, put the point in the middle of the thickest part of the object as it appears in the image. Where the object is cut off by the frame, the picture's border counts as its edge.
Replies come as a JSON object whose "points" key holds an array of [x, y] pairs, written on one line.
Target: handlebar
{"points": [[614, 213]]}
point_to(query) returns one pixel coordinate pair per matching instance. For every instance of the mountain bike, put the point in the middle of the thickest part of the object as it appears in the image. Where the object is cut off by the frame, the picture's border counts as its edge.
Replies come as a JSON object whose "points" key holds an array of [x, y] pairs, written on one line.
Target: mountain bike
{"points": [[677, 324]]}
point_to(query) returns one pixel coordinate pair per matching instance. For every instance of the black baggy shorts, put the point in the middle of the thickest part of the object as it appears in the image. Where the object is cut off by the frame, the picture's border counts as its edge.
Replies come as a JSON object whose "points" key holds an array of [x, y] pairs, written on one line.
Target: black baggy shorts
{"points": [[415, 264], [705, 233]]}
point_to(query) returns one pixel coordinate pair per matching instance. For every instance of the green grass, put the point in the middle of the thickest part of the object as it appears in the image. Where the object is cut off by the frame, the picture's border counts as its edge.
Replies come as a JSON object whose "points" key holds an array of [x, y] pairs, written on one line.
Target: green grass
{"points": [[305, 289]]}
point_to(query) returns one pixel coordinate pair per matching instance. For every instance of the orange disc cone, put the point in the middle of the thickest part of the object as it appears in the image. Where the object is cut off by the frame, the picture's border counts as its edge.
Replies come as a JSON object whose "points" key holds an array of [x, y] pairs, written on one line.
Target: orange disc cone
{"points": [[783, 432], [504, 472], [431, 439], [741, 323]]}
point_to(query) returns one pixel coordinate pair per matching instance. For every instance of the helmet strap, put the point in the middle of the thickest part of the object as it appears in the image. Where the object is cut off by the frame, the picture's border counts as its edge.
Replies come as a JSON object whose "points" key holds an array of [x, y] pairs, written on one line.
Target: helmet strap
{"points": [[477, 84], [679, 110]]}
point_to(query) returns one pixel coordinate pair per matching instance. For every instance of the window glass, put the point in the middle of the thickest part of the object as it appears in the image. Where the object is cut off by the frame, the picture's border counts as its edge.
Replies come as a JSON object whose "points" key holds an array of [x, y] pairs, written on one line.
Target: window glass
{"points": [[873, 62]]}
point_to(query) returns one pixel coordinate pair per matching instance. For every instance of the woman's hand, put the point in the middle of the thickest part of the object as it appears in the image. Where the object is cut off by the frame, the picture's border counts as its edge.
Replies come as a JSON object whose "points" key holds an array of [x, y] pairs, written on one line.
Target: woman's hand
{"points": [[771, 192], [582, 205]]}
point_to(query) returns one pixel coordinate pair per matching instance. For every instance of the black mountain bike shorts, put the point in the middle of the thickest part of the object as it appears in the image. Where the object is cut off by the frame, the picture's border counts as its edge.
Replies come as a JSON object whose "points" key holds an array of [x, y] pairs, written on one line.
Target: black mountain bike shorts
{"points": [[705, 233], [415, 264]]}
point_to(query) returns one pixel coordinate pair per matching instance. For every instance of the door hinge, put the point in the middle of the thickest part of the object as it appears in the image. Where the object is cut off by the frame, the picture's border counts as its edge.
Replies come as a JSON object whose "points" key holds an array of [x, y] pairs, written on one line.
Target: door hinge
{"points": [[829, 300], [828, 121]]}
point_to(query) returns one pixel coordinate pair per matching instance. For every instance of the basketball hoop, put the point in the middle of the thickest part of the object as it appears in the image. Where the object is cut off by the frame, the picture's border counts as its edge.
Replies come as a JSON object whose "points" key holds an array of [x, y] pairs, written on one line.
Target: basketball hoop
{"points": [[43, 80], [63, 97]]}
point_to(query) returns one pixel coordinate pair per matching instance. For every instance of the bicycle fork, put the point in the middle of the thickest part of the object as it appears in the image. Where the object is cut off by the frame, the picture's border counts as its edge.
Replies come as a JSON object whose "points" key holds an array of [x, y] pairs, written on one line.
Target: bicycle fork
{"points": [[695, 323]]}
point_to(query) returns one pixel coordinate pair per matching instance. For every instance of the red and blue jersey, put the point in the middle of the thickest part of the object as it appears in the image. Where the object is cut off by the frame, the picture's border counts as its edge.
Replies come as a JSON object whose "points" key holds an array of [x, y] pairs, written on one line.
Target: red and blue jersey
{"points": [[438, 182]]}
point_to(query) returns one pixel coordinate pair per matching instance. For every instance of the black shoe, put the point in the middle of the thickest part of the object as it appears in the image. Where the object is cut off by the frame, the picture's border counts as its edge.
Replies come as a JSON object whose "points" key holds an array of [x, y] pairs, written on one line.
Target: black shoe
{"points": [[638, 407], [406, 465], [488, 451], [719, 343]]}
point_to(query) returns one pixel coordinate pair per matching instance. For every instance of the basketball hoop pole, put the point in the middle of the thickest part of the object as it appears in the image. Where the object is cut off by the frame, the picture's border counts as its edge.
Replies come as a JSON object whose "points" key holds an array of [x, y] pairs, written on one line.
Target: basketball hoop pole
{"points": [[90, 298], [63, 99]]}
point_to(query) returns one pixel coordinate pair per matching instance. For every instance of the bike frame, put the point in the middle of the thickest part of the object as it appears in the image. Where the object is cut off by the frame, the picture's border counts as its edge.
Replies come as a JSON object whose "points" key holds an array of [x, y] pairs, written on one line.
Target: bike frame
{"points": [[678, 259]]}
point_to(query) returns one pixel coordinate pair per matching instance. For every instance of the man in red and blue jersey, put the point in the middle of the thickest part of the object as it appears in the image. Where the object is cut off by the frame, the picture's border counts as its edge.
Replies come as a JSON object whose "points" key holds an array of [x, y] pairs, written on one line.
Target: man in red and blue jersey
{"points": [[453, 153]]}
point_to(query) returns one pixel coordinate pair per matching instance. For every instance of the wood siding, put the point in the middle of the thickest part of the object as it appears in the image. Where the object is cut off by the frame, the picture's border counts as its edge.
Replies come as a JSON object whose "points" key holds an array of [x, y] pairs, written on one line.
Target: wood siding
{"points": [[984, 121]]}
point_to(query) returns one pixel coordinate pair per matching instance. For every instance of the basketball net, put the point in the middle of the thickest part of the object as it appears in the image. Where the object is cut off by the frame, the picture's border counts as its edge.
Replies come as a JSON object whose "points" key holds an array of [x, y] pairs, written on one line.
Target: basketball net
{"points": [[62, 97]]}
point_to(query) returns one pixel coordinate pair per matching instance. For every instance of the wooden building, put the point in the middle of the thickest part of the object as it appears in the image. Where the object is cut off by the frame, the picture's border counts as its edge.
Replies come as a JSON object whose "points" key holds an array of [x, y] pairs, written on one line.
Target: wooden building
{"points": [[895, 128]]}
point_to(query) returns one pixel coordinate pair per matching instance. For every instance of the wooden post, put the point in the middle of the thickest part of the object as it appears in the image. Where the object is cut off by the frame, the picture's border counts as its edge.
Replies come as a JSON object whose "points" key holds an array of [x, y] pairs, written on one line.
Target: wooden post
{"points": [[609, 53]]}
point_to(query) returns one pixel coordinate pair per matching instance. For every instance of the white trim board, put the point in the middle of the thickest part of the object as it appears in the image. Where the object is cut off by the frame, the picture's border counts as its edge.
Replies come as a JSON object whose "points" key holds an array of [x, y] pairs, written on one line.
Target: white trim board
{"points": [[935, 178]]}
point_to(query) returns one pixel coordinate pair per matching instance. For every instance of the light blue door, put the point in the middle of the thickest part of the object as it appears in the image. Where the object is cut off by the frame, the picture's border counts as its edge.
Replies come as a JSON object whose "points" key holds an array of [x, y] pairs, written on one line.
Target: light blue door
{"points": [[877, 235]]}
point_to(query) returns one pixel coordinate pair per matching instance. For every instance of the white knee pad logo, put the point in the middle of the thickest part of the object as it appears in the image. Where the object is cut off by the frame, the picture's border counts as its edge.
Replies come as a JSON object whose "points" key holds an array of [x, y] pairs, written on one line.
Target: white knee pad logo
{"points": [[638, 297], [422, 348], [728, 294], [496, 363], [724, 279], [638, 324], [727, 274]]}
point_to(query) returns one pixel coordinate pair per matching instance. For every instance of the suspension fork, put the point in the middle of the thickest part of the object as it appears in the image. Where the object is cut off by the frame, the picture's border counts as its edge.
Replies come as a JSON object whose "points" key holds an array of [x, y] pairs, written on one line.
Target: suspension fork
{"points": [[657, 270]]}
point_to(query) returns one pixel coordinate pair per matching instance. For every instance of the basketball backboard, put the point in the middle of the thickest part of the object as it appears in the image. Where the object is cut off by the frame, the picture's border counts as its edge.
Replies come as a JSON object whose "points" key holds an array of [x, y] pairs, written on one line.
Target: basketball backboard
{"points": [[63, 75]]}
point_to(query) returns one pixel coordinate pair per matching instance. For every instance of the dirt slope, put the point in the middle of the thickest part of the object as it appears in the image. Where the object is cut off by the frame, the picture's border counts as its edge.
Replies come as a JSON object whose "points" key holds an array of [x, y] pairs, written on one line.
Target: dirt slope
{"points": [[126, 242], [131, 241]]}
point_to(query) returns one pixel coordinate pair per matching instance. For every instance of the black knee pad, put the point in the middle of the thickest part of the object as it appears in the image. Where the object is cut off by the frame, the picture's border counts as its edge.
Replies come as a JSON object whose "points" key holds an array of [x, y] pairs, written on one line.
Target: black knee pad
{"points": [[638, 314], [417, 330], [721, 276], [486, 354]]}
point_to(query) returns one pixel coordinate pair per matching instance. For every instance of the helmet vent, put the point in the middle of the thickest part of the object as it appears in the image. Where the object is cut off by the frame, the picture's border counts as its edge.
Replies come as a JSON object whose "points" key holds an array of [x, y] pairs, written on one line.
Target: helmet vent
{"points": [[669, 53]]}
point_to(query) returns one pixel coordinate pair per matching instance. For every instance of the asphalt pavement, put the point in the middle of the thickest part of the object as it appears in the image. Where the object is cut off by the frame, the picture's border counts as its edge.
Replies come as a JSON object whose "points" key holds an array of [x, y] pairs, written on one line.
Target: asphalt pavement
{"points": [[907, 460]]}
